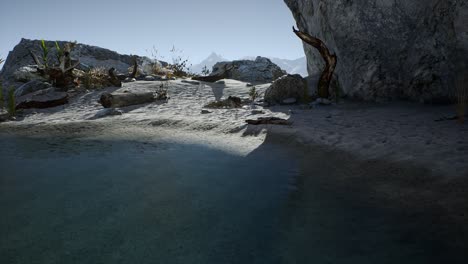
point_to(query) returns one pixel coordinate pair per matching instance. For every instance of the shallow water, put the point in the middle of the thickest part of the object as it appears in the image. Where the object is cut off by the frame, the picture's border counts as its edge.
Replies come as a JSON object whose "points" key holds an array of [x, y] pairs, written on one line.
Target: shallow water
{"points": [[96, 201]]}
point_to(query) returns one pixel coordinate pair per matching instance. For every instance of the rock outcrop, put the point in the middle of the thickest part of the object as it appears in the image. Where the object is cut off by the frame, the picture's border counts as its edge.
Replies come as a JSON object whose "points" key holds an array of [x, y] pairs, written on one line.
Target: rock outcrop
{"points": [[42, 99], [286, 88], [260, 70], [89, 56], [31, 87], [413, 49], [28, 73]]}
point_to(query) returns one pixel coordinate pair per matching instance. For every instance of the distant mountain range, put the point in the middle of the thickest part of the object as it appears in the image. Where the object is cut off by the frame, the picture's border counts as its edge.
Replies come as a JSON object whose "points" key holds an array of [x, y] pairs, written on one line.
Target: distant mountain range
{"points": [[208, 62], [297, 66]]}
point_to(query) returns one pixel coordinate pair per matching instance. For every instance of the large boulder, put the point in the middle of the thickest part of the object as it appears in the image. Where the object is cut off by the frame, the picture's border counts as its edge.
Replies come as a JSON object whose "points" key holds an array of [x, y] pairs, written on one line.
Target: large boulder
{"points": [[286, 88], [412, 49], [260, 70]]}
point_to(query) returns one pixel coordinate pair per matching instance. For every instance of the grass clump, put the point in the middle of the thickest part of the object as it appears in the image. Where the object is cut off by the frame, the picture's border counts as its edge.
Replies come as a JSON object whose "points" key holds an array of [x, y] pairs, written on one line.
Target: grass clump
{"points": [[95, 78]]}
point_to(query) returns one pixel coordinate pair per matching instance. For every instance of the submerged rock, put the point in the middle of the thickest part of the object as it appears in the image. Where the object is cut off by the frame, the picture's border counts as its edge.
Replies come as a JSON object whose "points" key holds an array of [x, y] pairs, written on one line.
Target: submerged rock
{"points": [[261, 70], [288, 89], [411, 49]]}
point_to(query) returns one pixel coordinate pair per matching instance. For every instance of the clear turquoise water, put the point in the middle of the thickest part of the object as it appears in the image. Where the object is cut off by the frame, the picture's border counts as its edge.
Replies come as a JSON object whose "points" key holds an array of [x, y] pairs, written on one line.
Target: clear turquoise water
{"points": [[80, 201]]}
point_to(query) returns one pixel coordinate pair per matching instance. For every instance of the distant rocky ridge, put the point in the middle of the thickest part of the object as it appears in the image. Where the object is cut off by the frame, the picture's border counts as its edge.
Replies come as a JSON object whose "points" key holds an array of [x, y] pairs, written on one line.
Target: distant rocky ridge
{"points": [[297, 66], [89, 56], [413, 49]]}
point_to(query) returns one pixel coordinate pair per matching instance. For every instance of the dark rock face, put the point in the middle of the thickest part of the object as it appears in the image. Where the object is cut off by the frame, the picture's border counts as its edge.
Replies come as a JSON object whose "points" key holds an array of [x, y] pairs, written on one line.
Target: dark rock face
{"points": [[89, 56], [261, 70], [413, 49]]}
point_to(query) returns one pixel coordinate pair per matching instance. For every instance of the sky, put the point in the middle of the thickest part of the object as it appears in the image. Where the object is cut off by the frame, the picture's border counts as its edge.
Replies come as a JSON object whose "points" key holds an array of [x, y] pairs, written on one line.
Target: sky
{"points": [[233, 29]]}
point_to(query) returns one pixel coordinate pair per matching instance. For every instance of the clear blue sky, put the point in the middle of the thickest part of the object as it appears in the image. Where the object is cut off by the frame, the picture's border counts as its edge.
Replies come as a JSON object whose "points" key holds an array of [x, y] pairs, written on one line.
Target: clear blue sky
{"points": [[234, 28]]}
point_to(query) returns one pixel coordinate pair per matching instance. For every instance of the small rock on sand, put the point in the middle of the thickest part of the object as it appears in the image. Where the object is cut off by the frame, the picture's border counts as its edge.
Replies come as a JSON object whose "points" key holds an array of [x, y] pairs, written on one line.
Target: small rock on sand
{"points": [[257, 112], [107, 112]]}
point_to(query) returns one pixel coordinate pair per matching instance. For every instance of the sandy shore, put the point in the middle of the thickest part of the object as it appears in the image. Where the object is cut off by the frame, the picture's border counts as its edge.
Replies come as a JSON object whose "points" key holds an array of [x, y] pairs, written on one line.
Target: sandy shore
{"points": [[394, 151], [394, 132]]}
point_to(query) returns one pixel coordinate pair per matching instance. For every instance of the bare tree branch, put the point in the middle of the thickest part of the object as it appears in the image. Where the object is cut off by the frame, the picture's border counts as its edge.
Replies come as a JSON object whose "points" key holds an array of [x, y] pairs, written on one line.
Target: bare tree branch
{"points": [[330, 60]]}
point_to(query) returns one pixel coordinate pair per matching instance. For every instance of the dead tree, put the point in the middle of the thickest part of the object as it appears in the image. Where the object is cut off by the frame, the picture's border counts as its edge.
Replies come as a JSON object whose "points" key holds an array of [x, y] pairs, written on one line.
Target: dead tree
{"points": [[330, 62]]}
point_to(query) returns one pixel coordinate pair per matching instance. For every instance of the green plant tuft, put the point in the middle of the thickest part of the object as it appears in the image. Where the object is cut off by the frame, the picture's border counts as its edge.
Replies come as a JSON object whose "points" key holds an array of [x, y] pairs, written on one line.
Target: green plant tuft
{"points": [[45, 53], [59, 52], [253, 93]]}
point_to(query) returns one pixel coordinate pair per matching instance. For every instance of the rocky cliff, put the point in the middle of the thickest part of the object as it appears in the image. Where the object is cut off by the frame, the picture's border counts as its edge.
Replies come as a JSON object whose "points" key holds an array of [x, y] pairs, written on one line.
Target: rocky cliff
{"points": [[89, 56], [387, 49]]}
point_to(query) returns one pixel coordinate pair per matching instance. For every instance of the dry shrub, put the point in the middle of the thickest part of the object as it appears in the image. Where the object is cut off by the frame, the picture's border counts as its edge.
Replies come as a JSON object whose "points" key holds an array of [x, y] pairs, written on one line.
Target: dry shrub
{"points": [[95, 78], [161, 93]]}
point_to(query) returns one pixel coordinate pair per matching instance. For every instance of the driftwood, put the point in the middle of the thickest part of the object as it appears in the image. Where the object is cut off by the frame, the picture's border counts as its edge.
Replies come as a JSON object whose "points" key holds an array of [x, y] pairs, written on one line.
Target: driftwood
{"points": [[330, 61], [109, 100], [268, 121]]}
